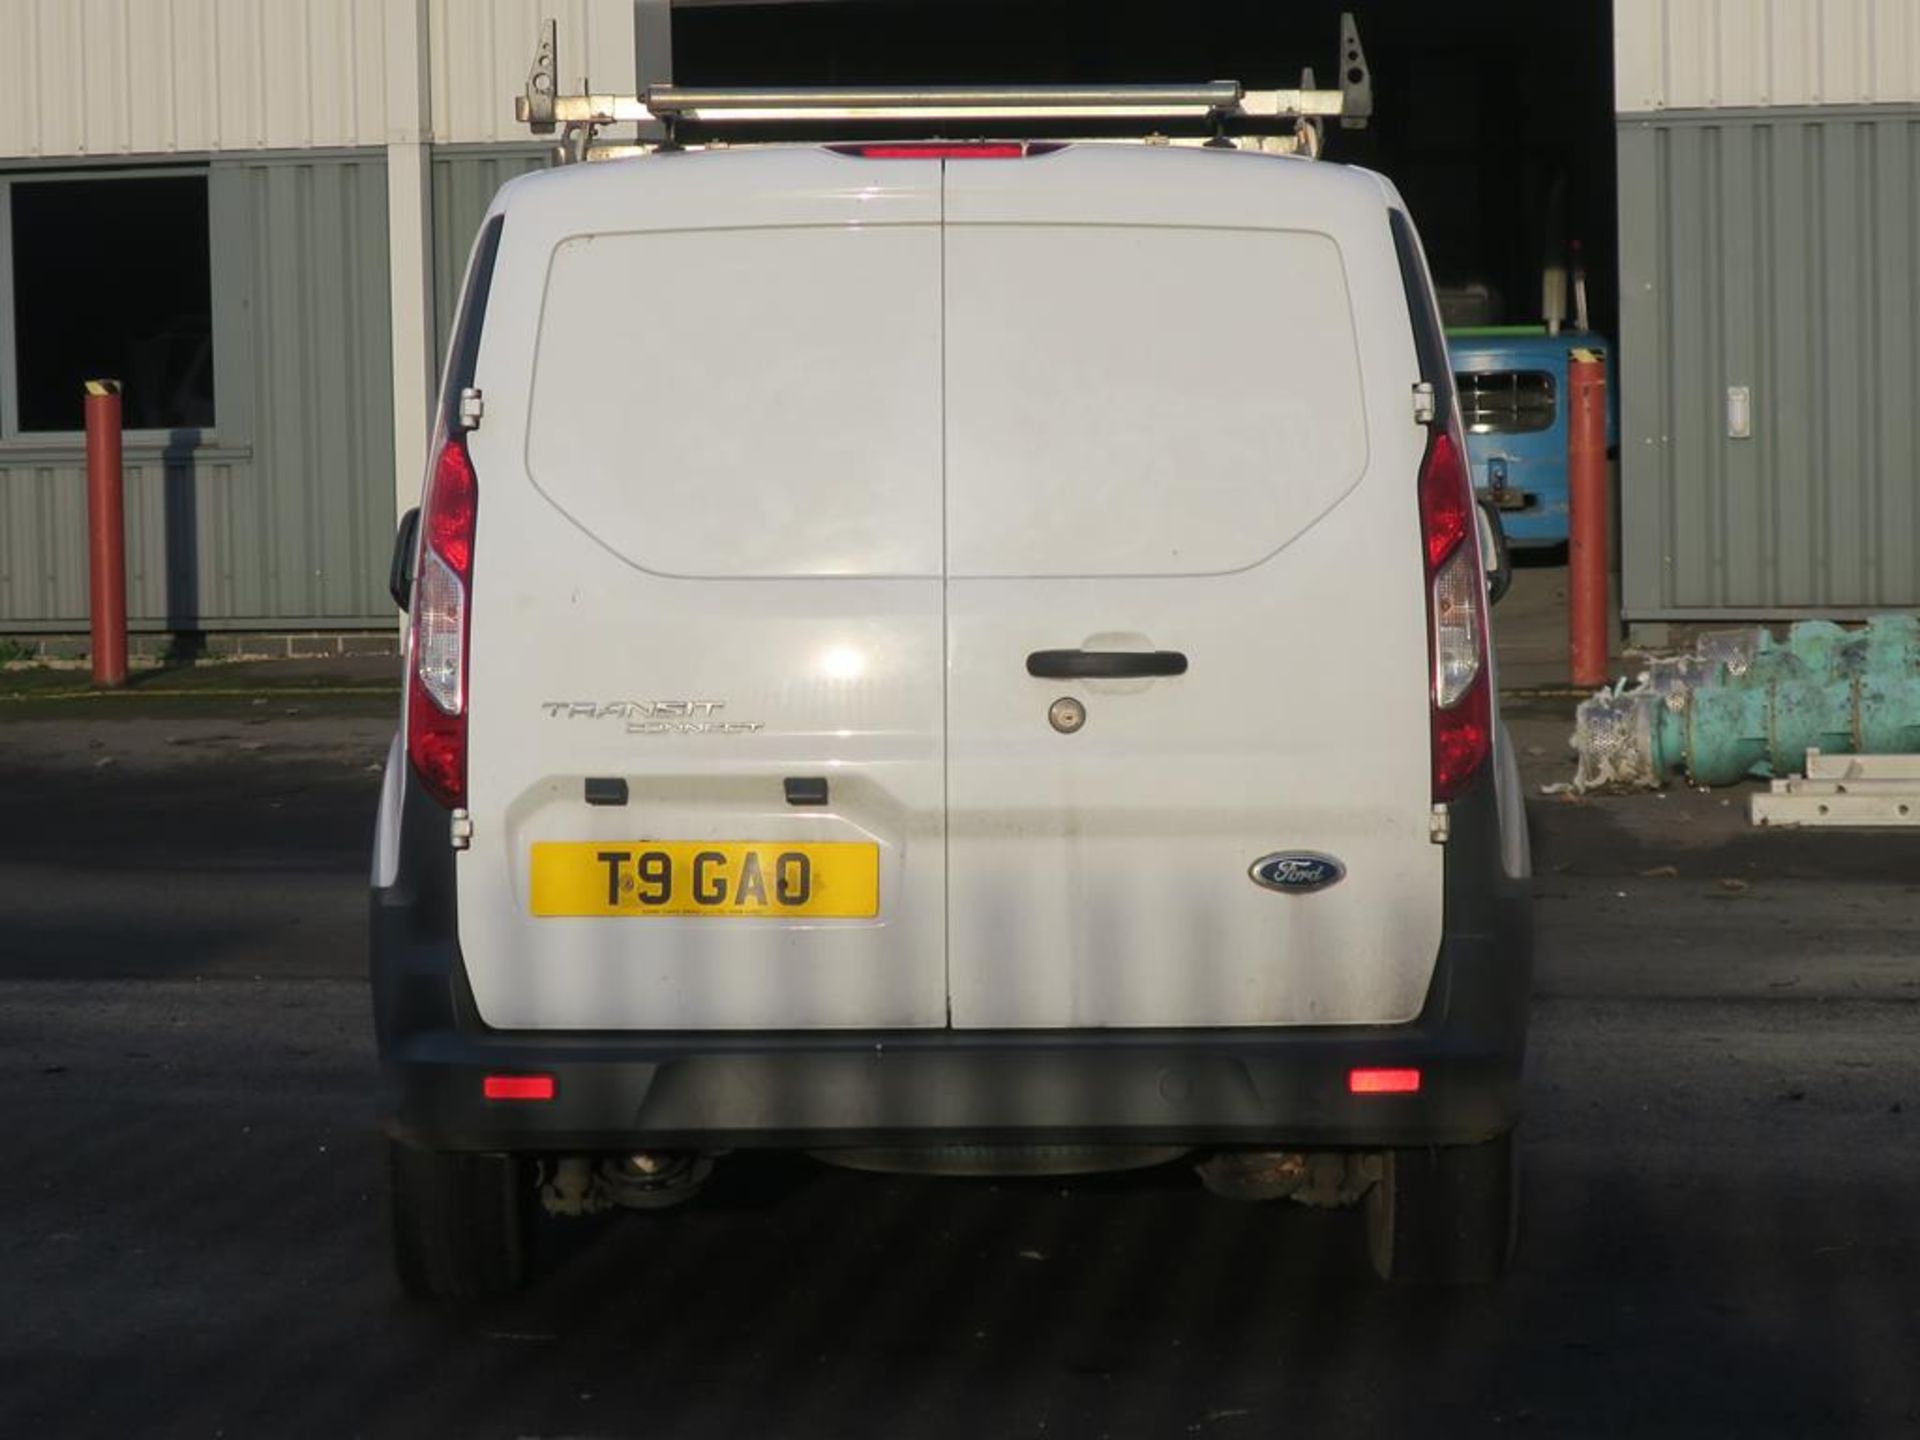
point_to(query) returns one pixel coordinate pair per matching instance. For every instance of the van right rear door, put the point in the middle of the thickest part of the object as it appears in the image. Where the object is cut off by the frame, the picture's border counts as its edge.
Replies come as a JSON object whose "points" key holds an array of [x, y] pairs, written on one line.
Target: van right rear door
{"points": [[1181, 457]]}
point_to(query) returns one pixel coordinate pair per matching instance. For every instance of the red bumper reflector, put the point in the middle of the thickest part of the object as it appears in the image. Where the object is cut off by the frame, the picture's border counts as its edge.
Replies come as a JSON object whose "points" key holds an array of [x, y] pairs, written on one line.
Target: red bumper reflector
{"points": [[1383, 1082], [518, 1087]]}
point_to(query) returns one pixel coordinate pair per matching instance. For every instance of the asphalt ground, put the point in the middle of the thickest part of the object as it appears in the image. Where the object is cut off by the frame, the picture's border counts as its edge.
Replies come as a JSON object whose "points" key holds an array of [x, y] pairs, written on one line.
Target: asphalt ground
{"points": [[1721, 1235]]}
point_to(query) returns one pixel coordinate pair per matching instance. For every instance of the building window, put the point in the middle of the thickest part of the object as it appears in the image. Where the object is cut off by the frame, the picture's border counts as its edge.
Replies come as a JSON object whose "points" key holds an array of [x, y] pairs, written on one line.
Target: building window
{"points": [[111, 279]]}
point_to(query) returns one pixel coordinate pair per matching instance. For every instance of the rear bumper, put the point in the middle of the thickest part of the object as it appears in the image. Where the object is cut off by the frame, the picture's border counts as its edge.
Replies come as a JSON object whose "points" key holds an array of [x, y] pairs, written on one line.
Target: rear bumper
{"points": [[1542, 523], [1280, 1087], [1239, 1087]]}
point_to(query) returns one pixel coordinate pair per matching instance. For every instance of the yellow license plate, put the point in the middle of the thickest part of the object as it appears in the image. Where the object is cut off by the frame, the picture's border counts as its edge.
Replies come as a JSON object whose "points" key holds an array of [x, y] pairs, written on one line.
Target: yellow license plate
{"points": [[832, 880]]}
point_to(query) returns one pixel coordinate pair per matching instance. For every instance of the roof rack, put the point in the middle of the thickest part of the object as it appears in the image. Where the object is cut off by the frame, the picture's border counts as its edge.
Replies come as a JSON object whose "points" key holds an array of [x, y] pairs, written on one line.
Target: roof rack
{"points": [[1215, 112]]}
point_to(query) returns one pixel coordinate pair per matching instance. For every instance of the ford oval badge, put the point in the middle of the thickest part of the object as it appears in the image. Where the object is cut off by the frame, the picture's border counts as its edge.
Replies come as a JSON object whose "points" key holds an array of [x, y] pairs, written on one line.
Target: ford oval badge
{"points": [[1297, 872]]}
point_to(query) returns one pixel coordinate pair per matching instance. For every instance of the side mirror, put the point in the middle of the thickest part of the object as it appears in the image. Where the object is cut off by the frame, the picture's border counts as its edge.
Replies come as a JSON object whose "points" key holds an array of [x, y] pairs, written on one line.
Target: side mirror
{"points": [[406, 545], [1493, 552]]}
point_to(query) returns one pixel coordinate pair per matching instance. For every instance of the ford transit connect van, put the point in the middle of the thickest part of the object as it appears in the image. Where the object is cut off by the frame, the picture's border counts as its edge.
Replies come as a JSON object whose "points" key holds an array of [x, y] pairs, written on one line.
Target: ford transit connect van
{"points": [[952, 657]]}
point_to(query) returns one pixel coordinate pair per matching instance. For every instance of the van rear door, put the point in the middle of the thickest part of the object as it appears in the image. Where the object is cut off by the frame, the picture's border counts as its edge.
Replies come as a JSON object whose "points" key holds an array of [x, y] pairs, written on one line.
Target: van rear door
{"points": [[706, 691], [1180, 485]]}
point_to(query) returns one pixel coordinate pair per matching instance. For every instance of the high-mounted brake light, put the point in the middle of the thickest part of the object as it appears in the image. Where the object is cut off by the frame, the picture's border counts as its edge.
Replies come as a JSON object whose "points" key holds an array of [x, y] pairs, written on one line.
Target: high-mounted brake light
{"points": [[1461, 705], [938, 151], [440, 613]]}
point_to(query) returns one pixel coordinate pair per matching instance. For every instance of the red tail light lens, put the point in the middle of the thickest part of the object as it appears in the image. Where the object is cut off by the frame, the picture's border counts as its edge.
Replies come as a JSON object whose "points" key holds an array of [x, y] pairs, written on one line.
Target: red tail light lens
{"points": [[1462, 740], [439, 618], [1462, 707], [1446, 497], [448, 519]]}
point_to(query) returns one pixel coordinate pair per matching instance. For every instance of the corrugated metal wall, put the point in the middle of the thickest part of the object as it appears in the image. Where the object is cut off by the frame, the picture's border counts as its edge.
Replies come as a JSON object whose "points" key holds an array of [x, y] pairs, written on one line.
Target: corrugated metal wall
{"points": [[285, 521], [324, 424], [1683, 54], [463, 186], [159, 76], [482, 48], [115, 77], [1778, 253], [283, 517]]}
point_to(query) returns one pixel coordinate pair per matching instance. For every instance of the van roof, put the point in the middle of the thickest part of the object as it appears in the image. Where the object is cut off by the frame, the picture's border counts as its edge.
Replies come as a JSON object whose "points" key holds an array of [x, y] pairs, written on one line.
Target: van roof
{"points": [[1125, 164]]}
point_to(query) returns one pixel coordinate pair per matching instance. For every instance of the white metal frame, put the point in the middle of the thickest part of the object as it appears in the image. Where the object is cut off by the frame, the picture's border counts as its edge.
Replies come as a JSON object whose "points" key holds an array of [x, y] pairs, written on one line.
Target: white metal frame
{"points": [[1844, 791]]}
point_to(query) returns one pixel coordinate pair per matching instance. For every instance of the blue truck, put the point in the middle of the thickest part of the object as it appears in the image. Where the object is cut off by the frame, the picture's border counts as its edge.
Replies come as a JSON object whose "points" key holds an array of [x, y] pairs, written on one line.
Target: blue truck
{"points": [[1512, 381]]}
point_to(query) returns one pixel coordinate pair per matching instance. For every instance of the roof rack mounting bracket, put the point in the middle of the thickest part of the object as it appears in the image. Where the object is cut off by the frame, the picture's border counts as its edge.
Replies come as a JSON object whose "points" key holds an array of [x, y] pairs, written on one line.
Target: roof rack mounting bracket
{"points": [[1356, 76], [543, 82]]}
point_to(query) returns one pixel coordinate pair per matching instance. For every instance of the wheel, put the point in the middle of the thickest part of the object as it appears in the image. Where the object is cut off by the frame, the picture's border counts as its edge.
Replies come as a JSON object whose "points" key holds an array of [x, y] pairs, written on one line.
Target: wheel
{"points": [[1446, 1215], [460, 1222]]}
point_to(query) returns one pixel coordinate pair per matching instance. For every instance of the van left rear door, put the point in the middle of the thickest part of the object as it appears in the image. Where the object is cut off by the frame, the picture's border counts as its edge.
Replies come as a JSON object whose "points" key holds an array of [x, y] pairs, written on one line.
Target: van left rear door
{"points": [[707, 596]]}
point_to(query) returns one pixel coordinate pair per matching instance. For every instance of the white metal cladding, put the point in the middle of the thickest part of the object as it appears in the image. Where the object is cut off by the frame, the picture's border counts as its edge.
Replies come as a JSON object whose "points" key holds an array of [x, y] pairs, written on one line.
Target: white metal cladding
{"points": [[481, 50], [105, 77], [141, 77], [1722, 54]]}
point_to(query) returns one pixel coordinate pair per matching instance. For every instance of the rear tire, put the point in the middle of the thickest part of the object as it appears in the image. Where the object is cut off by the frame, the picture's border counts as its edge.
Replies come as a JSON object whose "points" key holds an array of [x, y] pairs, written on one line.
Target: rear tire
{"points": [[461, 1223], [1446, 1215]]}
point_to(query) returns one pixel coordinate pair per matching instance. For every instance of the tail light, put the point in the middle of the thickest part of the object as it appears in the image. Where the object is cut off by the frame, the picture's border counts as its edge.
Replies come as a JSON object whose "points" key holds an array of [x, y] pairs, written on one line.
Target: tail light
{"points": [[1461, 703], [439, 615]]}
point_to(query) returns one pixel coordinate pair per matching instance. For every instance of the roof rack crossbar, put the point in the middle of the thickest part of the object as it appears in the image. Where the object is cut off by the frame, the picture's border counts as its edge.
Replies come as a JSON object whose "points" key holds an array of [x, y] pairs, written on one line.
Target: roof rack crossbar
{"points": [[665, 100], [1215, 109]]}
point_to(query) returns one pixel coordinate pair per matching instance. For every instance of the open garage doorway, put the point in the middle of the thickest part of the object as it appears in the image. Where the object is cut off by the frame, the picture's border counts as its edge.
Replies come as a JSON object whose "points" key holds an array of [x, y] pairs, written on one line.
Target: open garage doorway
{"points": [[1494, 119]]}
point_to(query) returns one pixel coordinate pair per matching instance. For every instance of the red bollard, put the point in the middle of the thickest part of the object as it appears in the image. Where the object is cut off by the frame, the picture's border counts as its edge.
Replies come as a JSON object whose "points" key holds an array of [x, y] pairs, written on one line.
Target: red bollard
{"points": [[1588, 621], [106, 534]]}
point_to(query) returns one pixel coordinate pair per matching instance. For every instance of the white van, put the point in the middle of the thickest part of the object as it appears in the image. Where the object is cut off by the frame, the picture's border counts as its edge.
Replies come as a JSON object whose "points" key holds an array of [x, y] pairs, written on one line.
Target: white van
{"points": [[963, 657]]}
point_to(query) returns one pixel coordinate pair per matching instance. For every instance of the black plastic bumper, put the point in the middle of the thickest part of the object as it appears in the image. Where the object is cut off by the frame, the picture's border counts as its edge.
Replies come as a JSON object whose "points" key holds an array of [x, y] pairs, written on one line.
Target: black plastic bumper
{"points": [[1274, 1086]]}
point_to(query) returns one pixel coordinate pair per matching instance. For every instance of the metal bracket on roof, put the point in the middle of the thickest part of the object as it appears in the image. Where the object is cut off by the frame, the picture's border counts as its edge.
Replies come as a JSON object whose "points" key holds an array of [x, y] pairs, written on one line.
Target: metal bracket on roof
{"points": [[539, 105], [1216, 112], [1356, 77], [536, 106], [1308, 138]]}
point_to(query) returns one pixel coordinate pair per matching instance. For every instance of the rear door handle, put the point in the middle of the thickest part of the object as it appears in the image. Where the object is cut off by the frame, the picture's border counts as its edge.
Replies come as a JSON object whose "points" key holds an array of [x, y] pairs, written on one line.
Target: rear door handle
{"points": [[1105, 664]]}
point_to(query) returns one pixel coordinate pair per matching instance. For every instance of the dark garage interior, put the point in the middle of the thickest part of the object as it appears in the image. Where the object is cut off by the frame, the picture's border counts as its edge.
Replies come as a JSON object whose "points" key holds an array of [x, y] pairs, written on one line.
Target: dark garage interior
{"points": [[1495, 120]]}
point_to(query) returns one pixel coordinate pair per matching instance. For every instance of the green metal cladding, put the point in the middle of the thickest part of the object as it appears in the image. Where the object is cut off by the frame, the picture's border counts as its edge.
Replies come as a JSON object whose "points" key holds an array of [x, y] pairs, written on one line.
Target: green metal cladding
{"points": [[1777, 250], [280, 517]]}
